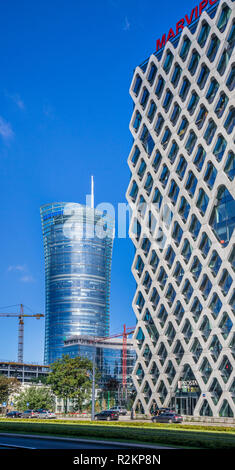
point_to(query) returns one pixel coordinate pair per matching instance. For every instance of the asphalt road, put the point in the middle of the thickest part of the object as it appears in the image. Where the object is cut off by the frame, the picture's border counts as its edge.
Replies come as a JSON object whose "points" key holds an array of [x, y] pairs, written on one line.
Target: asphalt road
{"points": [[22, 442]]}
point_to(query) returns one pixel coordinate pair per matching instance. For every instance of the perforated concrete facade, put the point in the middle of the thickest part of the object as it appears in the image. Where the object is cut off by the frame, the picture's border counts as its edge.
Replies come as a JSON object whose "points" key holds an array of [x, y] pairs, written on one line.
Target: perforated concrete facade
{"points": [[182, 195]]}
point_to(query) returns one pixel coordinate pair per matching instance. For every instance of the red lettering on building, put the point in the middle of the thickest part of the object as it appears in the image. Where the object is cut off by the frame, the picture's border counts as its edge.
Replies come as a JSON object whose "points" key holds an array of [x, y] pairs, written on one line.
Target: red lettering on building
{"points": [[189, 20], [179, 25]]}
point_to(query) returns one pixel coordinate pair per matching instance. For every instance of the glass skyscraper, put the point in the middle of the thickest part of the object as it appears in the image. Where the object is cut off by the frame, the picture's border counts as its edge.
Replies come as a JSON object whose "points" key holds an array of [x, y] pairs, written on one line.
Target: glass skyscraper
{"points": [[78, 244]]}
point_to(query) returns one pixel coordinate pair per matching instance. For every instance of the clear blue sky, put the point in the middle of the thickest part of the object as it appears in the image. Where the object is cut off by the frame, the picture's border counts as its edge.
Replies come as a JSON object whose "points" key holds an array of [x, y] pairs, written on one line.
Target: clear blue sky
{"points": [[66, 68]]}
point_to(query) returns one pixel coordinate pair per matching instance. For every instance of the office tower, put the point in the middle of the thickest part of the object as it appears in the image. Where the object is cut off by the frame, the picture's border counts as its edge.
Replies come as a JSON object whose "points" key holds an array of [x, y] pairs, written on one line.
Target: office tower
{"points": [[182, 194]]}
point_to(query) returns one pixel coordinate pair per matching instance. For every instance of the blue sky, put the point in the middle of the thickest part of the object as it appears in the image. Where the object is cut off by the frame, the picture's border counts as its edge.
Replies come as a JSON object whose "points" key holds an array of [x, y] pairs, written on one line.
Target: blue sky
{"points": [[66, 69]]}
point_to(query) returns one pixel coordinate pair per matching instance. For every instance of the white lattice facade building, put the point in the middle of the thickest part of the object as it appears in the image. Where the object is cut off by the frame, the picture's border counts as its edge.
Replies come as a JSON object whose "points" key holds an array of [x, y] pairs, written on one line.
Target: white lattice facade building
{"points": [[182, 193]]}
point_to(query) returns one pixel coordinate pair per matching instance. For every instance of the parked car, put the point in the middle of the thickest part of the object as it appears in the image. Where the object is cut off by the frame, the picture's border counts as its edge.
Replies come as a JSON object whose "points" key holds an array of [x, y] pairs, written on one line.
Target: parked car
{"points": [[46, 415], [159, 411], [167, 417], [107, 415], [30, 414], [119, 409], [14, 414]]}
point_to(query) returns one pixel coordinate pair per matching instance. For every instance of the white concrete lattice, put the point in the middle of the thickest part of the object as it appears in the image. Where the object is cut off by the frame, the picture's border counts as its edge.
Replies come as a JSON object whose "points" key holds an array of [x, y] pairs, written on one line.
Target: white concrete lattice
{"points": [[187, 344]]}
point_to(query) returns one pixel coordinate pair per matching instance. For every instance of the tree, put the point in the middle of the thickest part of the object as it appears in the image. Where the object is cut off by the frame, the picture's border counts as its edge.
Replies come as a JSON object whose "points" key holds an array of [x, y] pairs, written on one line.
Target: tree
{"points": [[8, 386], [35, 397], [71, 378]]}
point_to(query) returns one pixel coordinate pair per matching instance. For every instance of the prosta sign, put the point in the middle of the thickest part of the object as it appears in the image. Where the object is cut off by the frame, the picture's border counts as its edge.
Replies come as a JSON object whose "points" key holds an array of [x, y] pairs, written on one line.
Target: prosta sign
{"points": [[186, 21]]}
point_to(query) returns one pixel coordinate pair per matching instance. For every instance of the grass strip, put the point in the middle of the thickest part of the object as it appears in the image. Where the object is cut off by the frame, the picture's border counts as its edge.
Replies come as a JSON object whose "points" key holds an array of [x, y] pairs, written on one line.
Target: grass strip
{"points": [[159, 434]]}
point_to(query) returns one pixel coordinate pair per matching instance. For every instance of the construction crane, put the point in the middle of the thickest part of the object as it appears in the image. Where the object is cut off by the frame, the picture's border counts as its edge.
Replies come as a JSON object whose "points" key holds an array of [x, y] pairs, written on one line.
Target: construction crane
{"points": [[21, 317]]}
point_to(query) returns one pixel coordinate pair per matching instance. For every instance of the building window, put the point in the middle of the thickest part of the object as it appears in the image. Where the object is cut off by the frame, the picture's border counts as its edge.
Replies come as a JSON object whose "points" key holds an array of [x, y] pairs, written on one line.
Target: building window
{"points": [[220, 147], [186, 251], [229, 168], [184, 209], [164, 175], [203, 75], [178, 273], [184, 88], [221, 105], [160, 86], [144, 99], [135, 156], [194, 61], [231, 79], [167, 100], [225, 282], [194, 227], [210, 175], [210, 132], [212, 90], [191, 183], [173, 151], [137, 85], [175, 113], [152, 73], [215, 263], [182, 128], [152, 111], [156, 161], [181, 168], [148, 184], [205, 245], [201, 117], [173, 192], [141, 169], [202, 201], [185, 48], [193, 102], [223, 19], [230, 121], [213, 48], [159, 124], [205, 286], [204, 34], [224, 60], [176, 75], [166, 138], [147, 140], [196, 268], [168, 61], [137, 121], [177, 233]]}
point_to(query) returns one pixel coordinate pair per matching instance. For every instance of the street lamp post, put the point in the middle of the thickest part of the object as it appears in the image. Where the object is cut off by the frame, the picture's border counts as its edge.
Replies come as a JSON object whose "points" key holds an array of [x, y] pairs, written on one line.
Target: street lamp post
{"points": [[93, 387]]}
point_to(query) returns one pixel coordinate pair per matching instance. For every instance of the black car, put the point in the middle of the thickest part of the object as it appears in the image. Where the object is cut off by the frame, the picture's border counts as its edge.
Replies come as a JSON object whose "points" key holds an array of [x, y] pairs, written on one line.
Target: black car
{"points": [[107, 415], [167, 417], [14, 414]]}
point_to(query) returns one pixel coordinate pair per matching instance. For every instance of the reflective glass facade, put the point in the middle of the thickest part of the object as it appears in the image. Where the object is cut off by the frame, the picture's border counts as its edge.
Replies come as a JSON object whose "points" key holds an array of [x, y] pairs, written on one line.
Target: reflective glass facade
{"points": [[78, 244], [108, 357]]}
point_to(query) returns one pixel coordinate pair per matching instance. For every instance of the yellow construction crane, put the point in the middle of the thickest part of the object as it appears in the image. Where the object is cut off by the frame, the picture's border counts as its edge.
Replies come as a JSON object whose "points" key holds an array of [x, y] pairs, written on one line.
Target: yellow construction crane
{"points": [[21, 317]]}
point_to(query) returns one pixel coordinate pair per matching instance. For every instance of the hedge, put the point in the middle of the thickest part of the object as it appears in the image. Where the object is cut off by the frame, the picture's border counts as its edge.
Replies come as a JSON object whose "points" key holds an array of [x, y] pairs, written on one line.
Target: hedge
{"points": [[171, 435]]}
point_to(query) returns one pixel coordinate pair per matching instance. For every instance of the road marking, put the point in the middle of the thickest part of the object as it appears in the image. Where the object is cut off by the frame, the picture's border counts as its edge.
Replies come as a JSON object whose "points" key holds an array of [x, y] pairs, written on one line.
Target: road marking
{"points": [[16, 447]]}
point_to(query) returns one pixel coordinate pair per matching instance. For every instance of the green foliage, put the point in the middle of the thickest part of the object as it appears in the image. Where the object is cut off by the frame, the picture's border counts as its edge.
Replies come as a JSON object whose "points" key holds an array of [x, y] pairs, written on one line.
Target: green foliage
{"points": [[70, 378], [36, 397], [177, 435], [7, 387]]}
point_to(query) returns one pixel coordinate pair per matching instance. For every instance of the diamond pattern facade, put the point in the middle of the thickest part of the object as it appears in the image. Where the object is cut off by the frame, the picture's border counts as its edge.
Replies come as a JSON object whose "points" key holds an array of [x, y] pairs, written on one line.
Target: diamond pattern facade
{"points": [[182, 195]]}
